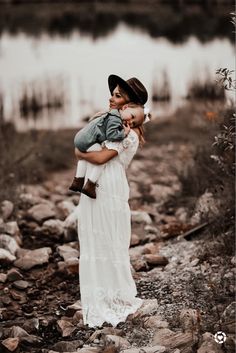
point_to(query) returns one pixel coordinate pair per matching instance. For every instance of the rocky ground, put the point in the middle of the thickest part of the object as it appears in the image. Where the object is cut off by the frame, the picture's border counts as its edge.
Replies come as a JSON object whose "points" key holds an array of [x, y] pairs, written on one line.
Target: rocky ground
{"points": [[183, 274]]}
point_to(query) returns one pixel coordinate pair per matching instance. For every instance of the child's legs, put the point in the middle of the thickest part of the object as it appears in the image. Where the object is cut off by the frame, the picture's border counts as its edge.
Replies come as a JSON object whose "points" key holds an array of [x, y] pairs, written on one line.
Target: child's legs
{"points": [[94, 170], [81, 169]]}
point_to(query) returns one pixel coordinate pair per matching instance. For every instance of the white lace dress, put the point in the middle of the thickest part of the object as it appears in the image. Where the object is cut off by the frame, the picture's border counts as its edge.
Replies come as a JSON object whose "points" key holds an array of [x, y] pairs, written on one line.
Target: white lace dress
{"points": [[108, 291]]}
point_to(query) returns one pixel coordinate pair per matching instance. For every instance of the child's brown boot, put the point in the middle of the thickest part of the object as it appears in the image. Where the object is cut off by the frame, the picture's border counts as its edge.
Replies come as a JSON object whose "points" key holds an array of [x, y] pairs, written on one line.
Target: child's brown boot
{"points": [[89, 189], [77, 184]]}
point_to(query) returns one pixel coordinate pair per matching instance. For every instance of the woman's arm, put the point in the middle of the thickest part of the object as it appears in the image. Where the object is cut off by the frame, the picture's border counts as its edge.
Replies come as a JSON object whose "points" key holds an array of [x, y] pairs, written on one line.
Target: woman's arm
{"points": [[96, 157]]}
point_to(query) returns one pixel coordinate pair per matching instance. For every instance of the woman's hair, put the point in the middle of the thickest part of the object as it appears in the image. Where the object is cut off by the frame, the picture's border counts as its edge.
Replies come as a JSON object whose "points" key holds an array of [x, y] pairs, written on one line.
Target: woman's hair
{"points": [[124, 94]]}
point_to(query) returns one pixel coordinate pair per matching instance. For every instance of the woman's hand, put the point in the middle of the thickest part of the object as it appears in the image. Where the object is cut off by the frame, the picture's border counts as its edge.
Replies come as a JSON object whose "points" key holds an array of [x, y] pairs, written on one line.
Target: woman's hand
{"points": [[79, 155]]}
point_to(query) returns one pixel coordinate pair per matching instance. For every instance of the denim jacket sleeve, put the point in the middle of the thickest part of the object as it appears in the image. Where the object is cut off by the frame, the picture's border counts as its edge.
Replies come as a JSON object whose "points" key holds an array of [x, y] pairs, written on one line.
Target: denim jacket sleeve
{"points": [[114, 129]]}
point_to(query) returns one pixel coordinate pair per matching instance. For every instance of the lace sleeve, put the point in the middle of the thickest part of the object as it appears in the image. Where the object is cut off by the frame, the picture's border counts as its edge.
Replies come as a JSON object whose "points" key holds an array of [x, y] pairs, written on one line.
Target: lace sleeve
{"points": [[128, 142]]}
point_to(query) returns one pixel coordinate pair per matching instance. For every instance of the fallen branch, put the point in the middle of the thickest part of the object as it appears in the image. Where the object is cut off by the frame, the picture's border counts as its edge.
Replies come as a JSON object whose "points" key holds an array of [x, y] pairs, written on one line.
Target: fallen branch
{"points": [[187, 235]]}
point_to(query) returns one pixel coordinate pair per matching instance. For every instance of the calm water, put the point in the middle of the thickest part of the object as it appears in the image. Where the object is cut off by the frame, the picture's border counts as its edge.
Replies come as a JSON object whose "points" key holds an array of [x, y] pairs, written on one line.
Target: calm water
{"points": [[74, 70]]}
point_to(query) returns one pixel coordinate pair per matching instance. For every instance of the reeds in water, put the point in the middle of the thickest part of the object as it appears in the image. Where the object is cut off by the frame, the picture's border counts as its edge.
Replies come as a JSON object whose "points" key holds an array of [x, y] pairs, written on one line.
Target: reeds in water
{"points": [[207, 90], [37, 97]]}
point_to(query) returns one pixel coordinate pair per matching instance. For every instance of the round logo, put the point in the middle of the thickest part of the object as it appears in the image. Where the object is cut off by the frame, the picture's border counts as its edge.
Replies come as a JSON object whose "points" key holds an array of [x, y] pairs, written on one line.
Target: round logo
{"points": [[220, 337]]}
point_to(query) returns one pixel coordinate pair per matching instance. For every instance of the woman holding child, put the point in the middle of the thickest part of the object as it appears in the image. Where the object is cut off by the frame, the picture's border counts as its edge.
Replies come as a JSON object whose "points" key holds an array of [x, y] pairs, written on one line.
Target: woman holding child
{"points": [[108, 291]]}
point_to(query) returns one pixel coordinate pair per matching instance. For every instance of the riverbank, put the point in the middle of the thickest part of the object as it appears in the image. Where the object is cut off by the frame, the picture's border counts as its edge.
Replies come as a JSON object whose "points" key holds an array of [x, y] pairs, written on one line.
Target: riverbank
{"points": [[181, 252]]}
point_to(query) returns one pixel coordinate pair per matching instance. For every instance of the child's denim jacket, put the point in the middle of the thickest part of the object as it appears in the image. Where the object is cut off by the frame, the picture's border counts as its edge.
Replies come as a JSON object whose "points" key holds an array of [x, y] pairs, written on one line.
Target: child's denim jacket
{"points": [[108, 126]]}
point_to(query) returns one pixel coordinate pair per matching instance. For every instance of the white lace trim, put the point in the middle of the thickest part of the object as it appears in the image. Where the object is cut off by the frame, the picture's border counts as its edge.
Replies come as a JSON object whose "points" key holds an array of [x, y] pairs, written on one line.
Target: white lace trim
{"points": [[112, 306], [124, 144]]}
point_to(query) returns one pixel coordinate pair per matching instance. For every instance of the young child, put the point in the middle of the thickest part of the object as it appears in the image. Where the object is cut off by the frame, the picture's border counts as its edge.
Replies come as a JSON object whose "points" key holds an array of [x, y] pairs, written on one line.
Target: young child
{"points": [[112, 126]]}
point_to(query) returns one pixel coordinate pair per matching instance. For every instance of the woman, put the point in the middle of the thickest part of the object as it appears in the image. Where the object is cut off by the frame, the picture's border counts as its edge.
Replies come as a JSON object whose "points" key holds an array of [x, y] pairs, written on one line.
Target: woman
{"points": [[106, 285]]}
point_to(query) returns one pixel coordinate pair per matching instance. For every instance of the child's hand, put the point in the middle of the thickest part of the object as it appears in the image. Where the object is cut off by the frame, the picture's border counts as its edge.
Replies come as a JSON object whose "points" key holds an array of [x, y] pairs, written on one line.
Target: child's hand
{"points": [[127, 129]]}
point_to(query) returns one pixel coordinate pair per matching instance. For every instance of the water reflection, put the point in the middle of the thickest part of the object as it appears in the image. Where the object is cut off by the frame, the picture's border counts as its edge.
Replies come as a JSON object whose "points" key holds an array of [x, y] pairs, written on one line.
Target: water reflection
{"points": [[176, 20], [71, 73]]}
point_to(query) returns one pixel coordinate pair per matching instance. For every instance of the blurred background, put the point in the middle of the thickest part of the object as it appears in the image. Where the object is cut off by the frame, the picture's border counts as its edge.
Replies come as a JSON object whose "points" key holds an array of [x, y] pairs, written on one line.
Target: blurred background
{"points": [[55, 57]]}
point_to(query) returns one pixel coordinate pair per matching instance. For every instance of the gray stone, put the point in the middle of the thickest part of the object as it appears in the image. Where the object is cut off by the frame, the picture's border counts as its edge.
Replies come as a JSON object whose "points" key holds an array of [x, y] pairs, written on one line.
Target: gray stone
{"points": [[12, 229], [183, 341], [21, 284], [53, 228], [33, 258], [66, 327], [209, 344], [14, 275], [228, 318], [67, 252], [65, 208], [3, 277], [6, 256], [148, 307], [41, 212], [155, 321], [8, 243], [119, 342], [19, 332], [7, 208], [134, 240], [140, 217], [73, 308], [67, 346], [11, 343], [155, 260], [70, 266]]}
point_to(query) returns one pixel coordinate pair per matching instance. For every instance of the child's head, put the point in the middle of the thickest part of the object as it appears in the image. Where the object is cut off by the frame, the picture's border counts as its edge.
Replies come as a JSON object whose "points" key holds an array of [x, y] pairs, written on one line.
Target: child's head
{"points": [[133, 114]]}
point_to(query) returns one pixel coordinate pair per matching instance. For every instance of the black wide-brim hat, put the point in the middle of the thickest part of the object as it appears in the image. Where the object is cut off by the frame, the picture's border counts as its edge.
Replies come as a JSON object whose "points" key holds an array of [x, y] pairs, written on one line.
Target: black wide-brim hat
{"points": [[133, 87]]}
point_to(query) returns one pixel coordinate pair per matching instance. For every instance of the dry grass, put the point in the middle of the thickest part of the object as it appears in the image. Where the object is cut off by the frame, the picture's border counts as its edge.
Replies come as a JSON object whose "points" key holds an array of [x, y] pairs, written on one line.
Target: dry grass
{"points": [[29, 157]]}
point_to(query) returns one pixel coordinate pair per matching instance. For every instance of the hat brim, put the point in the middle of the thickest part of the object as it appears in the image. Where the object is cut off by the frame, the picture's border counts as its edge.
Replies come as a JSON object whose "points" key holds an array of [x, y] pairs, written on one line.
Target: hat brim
{"points": [[114, 80]]}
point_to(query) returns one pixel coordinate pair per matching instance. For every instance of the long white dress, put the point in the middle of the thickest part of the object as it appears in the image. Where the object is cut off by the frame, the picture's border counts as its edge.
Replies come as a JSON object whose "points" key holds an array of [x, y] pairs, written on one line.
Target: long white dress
{"points": [[108, 291]]}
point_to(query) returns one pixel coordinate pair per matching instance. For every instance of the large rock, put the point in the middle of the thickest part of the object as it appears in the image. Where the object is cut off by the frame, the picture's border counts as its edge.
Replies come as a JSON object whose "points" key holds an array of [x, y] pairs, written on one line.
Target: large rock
{"points": [[155, 321], [65, 208], [155, 260], [11, 228], [183, 341], [7, 208], [67, 252], [33, 258], [140, 217], [119, 342], [41, 212], [70, 266], [19, 332], [53, 228], [11, 343], [66, 327], [148, 307], [8, 243], [6, 257], [67, 346], [207, 208], [209, 345], [228, 318]]}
